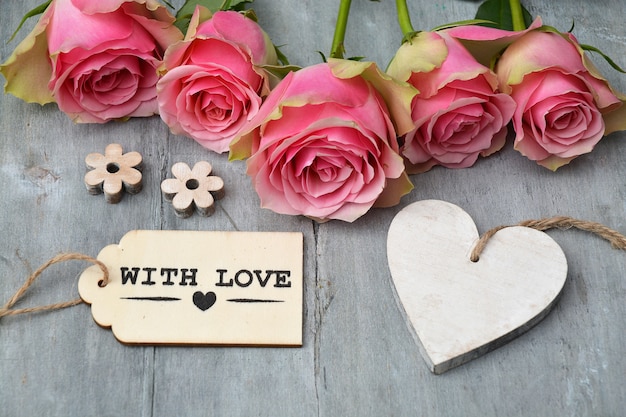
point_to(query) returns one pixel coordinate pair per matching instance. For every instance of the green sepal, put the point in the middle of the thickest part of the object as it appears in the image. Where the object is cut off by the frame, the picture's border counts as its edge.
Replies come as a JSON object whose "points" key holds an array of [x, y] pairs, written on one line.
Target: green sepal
{"points": [[603, 55], [481, 22], [280, 71], [352, 58], [410, 35], [282, 58], [498, 12], [250, 14], [588, 48], [34, 12]]}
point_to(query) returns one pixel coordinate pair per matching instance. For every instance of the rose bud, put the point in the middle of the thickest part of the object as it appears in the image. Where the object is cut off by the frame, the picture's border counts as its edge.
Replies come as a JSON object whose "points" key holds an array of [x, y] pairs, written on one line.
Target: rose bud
{"points": [[564, 106], [214, 81], [458, 113]]}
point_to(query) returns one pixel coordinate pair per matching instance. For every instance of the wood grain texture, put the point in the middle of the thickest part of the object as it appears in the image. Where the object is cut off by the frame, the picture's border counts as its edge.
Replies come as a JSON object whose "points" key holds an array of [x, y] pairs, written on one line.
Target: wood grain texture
{"points": [[358, 357]]}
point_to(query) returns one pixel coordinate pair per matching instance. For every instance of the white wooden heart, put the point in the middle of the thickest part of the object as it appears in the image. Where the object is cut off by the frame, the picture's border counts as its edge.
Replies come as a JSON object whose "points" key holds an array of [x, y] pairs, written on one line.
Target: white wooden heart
{"points": [[460, 309]]}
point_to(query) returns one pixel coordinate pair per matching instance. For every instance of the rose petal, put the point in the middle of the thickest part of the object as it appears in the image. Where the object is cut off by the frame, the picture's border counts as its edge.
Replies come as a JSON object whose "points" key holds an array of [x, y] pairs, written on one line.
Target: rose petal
{"points": [[484, 43], [28, 69], [235, 27], [397, 96], [88, 30]]}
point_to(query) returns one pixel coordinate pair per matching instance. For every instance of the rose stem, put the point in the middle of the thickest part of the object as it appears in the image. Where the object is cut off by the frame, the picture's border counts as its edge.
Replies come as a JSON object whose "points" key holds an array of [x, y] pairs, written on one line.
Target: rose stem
{"points": [[517, 17], [337, 49], [404, 20]]}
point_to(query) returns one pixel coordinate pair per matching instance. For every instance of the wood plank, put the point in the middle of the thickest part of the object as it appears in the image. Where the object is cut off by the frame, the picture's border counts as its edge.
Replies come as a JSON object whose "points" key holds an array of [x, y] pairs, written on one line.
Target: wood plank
{"points": [[358, 356]]}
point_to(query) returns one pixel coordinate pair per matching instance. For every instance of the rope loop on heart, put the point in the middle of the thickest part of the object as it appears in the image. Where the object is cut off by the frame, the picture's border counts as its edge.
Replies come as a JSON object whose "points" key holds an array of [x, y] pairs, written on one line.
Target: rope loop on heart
{"points": [[6, 309], [617, 240]]}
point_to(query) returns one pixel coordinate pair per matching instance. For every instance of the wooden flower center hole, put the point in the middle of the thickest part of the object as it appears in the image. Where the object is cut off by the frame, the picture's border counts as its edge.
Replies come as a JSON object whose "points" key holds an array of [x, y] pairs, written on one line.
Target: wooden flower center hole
{"points": [[112, 168], [192, 184]]}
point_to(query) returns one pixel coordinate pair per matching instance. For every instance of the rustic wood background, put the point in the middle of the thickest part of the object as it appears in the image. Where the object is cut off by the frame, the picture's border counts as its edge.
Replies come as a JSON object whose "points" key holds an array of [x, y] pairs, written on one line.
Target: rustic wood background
{"points": [[358, 357]]}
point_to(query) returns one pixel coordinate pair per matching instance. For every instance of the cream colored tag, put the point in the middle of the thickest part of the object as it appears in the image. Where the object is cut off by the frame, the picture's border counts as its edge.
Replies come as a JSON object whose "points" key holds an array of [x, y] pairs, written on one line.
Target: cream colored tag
{"points": [[196, 287]]}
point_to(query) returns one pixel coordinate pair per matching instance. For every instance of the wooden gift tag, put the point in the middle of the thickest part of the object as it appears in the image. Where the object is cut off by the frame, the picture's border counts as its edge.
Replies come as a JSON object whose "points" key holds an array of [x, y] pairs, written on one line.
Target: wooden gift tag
{"points": [[200, 287], [460, 309]]}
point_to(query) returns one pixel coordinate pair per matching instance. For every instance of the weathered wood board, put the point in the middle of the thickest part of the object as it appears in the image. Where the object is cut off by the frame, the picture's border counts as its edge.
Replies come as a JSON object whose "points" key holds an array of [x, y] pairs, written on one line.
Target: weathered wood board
{"points": [[358, 356]]}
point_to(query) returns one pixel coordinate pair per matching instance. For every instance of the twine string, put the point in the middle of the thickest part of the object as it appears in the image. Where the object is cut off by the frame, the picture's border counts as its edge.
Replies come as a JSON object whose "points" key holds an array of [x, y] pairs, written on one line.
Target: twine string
{"points": [[7, 310], [617, 240]]}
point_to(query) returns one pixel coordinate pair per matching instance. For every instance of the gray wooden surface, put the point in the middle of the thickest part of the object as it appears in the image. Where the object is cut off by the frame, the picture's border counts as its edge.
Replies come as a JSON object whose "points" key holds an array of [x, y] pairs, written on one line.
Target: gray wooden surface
{"points": [[358, 357]]}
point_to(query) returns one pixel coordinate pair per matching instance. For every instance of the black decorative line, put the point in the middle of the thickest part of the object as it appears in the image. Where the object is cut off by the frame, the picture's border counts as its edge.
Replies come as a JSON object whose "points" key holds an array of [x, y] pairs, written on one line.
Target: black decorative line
{"points": [[253, 300], [151, 298]]}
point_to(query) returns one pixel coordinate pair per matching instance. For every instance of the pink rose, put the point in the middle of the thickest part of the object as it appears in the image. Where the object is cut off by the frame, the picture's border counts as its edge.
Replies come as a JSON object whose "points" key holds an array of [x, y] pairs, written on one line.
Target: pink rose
{"points": [[96, 59], [458, 113], [214, 81], [485, 43], [324, 143], [564, 106]]}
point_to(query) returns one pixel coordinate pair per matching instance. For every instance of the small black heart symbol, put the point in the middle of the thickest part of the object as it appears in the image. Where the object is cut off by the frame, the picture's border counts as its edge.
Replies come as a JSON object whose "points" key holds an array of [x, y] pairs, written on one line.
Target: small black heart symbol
{"points": [[204, 301]]}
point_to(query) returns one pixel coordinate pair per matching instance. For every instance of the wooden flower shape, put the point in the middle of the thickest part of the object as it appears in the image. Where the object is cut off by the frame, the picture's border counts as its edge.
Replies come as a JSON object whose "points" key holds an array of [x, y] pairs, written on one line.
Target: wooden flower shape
{"points": [[113, 173], [193, 189]]}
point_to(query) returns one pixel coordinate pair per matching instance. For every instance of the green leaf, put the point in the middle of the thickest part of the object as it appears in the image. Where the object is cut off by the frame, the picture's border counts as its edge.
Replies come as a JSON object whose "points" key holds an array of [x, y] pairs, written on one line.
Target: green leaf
{"points": [[34, 12], [499, 13], [183, 16], [603, 55], [237, 5]]}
